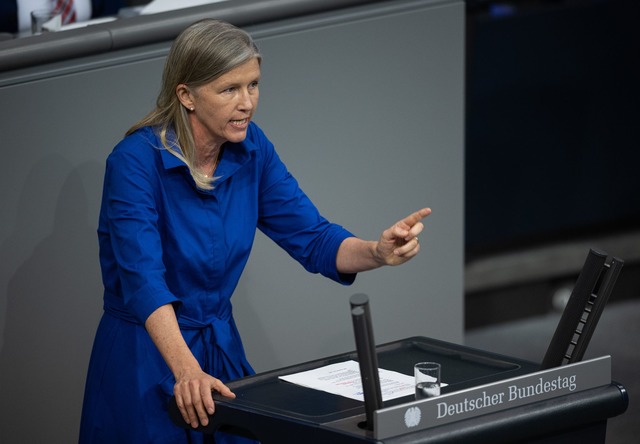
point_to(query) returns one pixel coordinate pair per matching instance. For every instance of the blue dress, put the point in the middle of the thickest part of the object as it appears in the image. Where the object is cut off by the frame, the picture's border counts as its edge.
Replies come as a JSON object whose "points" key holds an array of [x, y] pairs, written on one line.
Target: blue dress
{"points": [[165, 241]]}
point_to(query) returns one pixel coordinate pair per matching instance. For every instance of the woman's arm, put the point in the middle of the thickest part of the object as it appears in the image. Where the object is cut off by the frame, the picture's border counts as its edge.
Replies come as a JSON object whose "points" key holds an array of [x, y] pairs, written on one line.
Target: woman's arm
{"points": [[396, 245], [193, 386]]}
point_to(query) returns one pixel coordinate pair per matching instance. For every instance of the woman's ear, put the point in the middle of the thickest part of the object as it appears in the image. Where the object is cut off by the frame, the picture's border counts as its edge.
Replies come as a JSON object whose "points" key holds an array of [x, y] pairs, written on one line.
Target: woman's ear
{"points": [[185, 96]]}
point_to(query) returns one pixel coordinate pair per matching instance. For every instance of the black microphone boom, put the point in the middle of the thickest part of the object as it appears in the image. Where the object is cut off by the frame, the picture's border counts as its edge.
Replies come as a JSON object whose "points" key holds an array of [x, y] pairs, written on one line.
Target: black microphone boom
{"points": [[367, 358]]}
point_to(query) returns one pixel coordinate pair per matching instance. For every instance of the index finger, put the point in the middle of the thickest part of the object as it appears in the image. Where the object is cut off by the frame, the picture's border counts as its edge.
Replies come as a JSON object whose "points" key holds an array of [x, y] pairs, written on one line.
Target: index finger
{"points": [[221, 388], [207, 394], [416, 217]]}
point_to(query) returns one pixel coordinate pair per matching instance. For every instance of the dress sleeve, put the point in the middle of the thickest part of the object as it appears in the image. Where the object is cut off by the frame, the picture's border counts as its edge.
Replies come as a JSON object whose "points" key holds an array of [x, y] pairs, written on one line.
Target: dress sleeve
{"points": [[130, 217], [288, 217]]}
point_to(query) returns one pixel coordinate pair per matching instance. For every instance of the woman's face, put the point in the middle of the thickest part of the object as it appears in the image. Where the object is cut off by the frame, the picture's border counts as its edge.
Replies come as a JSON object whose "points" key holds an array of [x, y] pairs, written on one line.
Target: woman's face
{"points": [[223, 107]]}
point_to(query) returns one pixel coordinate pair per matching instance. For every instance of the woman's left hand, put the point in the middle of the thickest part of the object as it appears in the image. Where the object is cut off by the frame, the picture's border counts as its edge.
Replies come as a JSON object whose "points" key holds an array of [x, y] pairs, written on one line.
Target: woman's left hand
{"points": [[400, 242]]}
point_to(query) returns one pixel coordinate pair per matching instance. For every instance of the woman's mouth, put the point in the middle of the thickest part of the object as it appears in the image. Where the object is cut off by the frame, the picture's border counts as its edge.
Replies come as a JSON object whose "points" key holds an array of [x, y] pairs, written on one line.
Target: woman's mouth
{"points": [[241, 123]]}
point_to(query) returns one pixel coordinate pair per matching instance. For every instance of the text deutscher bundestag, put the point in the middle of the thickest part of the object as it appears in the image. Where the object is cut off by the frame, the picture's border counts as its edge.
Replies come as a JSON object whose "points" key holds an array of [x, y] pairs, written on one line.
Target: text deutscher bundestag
{"points": [[512, 393]]}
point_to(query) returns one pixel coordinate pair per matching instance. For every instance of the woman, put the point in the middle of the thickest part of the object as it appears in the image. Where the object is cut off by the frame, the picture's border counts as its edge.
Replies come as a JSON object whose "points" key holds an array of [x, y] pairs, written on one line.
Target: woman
{"points": [[183, 195]]}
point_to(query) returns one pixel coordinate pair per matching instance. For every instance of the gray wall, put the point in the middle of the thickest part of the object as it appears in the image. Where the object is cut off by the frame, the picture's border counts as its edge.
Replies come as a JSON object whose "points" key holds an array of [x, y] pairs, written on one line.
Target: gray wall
{"points": [[366, 110]]}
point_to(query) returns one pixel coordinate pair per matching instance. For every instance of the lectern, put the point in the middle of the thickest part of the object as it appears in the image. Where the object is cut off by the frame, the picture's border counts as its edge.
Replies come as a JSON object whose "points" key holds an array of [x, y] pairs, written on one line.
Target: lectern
{"points": [[489, 398]]}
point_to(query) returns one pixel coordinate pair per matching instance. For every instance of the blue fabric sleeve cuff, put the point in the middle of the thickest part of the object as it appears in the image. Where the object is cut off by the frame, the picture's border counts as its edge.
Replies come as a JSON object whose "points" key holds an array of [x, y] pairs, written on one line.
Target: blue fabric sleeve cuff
{"points": [[147, 300], [330, 269]]}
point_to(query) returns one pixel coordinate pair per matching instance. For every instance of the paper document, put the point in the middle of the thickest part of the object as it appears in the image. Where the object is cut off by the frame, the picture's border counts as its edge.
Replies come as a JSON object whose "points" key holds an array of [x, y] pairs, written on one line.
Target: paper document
{"points": [[84, 24], [344, 379]]}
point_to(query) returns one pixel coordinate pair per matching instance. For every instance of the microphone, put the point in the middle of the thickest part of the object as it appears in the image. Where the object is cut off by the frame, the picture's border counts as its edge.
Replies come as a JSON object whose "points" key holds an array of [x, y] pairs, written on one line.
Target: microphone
{"points": [[367, 358]]}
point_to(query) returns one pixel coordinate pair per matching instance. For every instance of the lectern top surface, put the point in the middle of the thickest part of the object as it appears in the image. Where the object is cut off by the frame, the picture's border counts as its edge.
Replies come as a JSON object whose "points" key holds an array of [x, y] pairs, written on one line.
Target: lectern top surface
{"points": [[462, 367]]}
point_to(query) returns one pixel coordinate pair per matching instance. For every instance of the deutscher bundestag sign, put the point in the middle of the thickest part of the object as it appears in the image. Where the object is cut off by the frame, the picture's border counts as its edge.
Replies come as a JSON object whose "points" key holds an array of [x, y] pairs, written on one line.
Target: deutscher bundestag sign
{"points": [[501, 395]]}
